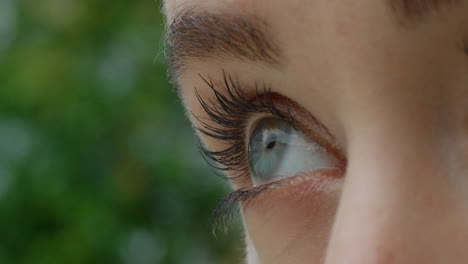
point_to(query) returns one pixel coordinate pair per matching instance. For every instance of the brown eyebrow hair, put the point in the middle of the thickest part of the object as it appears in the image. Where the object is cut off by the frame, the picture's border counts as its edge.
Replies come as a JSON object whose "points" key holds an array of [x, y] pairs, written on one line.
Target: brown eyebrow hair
{"points": [[192, 35], [415, 11], [213, 35]]}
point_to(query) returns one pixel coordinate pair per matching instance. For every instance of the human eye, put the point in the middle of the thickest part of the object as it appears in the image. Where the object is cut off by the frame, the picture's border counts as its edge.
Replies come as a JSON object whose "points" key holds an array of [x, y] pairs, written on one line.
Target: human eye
{"points": [[268, 141]]}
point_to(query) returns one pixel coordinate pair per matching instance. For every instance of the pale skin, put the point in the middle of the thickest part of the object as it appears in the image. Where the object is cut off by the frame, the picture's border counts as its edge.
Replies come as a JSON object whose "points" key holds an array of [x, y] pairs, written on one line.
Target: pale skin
{"points": [[394, 94]]}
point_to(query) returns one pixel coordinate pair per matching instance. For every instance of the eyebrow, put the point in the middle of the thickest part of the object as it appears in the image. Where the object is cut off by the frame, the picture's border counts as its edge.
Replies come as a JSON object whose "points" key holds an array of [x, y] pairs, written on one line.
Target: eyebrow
{"points": [[192, 36], [416, 11]]}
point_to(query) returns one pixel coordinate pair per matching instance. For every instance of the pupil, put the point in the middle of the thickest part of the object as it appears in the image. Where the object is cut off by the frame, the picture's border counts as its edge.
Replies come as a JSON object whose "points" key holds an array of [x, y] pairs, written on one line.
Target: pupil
{"points": [[271, 145], [270, 140]]}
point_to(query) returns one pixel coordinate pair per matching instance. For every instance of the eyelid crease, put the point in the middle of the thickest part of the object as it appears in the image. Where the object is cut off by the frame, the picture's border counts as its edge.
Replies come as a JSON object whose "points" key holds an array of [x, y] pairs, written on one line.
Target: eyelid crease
{"points": [[302, 120]]}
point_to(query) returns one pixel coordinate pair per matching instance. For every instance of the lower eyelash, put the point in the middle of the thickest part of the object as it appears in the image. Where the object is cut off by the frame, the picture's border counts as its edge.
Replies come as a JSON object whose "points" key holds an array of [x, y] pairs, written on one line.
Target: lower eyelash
{"points": [[229, 206]]}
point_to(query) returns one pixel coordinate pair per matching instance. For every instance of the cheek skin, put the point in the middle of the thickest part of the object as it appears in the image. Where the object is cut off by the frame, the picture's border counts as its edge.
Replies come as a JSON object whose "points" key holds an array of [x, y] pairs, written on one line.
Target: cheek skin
{"points": [[292, 223]]}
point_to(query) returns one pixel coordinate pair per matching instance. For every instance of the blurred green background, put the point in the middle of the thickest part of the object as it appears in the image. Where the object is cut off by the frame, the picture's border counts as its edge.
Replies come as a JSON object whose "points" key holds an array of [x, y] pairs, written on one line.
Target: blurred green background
{"points": [[97, 162]]}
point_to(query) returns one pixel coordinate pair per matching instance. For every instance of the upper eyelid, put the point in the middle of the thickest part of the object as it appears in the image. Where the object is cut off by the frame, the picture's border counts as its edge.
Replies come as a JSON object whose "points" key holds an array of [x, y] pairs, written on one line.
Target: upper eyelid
{"points": [[307, 123]]}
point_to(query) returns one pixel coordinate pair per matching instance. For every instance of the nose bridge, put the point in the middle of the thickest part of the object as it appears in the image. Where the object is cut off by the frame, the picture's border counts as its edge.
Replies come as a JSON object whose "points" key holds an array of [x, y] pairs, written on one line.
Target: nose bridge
{"points": [[393, 203]]}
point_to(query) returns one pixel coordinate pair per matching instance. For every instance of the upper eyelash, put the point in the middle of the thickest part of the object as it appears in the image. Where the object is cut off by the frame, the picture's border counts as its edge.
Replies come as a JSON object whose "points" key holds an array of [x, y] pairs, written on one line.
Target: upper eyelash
{"points": [[229, 113]]}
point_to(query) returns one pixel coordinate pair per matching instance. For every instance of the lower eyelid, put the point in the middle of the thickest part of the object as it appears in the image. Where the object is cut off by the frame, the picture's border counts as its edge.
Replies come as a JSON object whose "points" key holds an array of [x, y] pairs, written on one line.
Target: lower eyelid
{"points": [[291, 189], [307, 183], [314, 181], [309, 190]]}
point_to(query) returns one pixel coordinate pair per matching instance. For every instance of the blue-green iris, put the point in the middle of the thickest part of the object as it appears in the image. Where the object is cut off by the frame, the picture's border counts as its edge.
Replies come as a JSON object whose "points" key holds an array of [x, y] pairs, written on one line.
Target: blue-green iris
{"points": [[268, 145]]}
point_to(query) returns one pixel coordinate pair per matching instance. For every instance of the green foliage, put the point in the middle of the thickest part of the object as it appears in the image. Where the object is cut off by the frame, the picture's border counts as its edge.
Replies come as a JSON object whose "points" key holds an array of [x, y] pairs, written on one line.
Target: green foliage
{"points": [[97, 163]]}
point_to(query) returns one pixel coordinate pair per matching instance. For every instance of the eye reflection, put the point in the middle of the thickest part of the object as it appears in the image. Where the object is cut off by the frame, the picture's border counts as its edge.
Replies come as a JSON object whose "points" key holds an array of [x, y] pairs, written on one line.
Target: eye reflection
{"points": [[277, 150]]}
